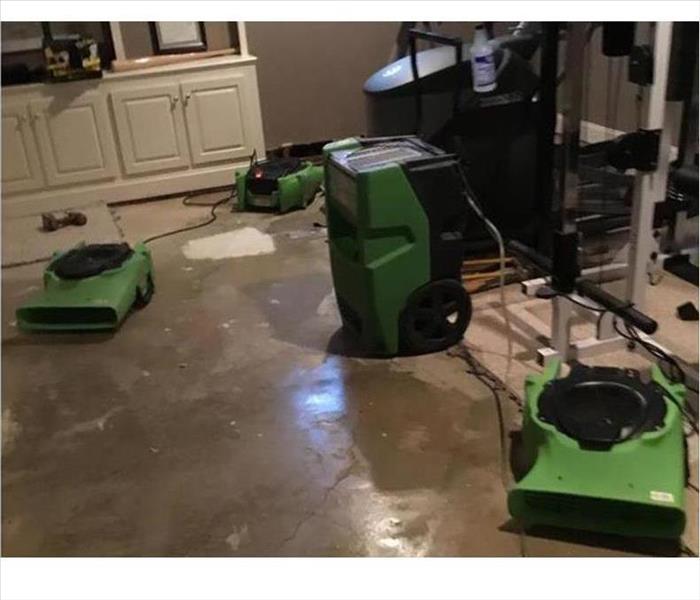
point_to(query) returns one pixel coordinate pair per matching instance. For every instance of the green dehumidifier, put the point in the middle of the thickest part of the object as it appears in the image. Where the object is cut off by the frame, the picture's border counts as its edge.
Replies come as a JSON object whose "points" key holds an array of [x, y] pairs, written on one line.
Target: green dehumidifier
{"points": [[602, 451], [278, 184], [396, 212]]}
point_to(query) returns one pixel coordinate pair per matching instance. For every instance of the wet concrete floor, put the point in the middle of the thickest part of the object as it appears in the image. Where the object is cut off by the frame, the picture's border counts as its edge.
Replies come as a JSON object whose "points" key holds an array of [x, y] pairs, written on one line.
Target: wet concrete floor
{"points": [[231, 417]]}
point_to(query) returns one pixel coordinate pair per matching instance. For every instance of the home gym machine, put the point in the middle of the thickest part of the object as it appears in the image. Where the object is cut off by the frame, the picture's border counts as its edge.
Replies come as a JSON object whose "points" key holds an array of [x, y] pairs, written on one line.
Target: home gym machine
{"points": [[603, 448], [647, 153], [502, 137]]}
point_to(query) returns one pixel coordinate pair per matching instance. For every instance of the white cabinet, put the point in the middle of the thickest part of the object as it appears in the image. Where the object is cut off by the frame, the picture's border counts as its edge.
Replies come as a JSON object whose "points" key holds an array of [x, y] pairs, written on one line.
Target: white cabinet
{"points": [[75, 138], [135, 134], [218, 114], [151, 128], [21, 169]]}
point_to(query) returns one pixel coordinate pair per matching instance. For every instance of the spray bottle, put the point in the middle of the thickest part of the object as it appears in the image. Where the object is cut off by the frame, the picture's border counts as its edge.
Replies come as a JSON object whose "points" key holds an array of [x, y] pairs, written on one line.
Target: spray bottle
{"points": [[483, 62]]}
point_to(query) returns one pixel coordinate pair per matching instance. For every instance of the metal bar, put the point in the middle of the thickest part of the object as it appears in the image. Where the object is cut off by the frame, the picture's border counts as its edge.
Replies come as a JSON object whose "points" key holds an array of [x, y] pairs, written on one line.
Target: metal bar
{"points": [[445, 40], [544, 184], [572, 101], [591, 347], [494, 275], [609, 272], [564, 263], [418, 98], [561, 326], [485, 261], [650, 188]]}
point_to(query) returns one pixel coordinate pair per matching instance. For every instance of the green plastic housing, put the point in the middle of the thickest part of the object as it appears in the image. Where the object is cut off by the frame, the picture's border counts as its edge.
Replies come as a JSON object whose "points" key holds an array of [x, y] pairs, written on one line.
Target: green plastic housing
{"points": [[379, 255], [293, 191], [637, 488], [92, 303]]}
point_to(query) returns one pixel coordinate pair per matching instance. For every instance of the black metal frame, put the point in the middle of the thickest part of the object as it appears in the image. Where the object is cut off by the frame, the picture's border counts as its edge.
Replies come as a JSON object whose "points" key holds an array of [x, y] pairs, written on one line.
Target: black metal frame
{"points": [[544, 183], [456, 43], [563, 265]]}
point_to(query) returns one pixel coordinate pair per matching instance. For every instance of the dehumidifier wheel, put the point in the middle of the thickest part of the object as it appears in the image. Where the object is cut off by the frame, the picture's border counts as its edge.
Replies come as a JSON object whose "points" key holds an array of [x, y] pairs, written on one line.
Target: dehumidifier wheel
{"points": [[435, 317], [143, 297]]}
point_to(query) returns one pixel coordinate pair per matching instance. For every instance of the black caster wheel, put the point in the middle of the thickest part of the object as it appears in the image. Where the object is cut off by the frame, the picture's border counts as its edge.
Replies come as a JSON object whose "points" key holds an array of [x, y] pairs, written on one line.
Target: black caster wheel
{"points": [[143, 297], [435, 317]]}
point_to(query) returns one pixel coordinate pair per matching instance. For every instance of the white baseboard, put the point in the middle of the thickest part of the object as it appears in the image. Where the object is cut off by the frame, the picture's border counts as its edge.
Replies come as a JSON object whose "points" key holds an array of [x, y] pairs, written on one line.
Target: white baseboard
{"points": [[113, 192]]}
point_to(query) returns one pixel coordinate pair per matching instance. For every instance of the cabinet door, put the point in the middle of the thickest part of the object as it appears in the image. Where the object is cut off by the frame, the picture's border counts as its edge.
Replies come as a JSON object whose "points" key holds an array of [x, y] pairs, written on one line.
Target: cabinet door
{"points": [[151, 128], [75, 138], [21, 169], [218, 117]]}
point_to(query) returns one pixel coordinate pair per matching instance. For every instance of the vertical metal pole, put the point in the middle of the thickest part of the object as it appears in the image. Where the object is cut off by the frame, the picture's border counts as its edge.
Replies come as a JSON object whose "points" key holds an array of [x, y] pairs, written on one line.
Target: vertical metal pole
{"points": [[572, 102], [564, 260], [650, 188], [561, 327], [544, 185]]}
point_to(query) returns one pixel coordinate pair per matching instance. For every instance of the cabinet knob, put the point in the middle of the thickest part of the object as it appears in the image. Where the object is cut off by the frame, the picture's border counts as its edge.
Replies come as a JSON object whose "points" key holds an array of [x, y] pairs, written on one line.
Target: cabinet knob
{"points": [[186, 99], [173, 101]]}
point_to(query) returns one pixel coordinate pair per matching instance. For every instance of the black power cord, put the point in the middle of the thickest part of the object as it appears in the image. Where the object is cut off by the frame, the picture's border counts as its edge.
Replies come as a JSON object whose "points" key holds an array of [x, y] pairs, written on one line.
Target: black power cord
{"points": [[494, 386], [186, 202]]}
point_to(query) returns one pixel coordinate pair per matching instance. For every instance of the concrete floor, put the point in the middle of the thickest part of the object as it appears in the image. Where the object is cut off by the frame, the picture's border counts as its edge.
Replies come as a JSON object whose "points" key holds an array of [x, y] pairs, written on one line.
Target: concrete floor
{"points": [[231, 418]]}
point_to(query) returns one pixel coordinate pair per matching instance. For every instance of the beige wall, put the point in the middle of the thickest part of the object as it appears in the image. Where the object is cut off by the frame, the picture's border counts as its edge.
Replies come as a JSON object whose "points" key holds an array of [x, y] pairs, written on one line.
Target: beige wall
{"points": [[311, 76]]}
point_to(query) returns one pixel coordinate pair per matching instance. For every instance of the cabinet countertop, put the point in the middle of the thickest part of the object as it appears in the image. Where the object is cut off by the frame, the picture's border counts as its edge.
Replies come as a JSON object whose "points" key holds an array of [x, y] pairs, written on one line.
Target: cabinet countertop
{"points": [[109, 76]]}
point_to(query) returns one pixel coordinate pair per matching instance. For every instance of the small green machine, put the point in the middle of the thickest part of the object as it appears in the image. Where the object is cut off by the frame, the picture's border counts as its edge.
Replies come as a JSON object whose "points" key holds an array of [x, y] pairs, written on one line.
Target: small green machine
{"points": [[396, 214], [278, 184], [603, 451], [90, 287]]}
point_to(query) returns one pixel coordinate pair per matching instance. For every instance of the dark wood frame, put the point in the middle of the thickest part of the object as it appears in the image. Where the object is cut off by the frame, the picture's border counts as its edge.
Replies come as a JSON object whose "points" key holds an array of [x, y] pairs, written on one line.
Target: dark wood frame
{"points": [[178, 50]]}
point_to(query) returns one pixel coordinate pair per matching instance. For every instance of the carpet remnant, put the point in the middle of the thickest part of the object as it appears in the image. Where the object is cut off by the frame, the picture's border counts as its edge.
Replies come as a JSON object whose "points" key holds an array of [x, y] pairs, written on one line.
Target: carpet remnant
{"points": [[247, 241]]}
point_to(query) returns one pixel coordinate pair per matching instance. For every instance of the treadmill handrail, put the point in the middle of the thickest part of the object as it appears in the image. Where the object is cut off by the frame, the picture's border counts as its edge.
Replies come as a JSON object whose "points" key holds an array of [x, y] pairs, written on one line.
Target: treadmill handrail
{"points": [[456, 43]]}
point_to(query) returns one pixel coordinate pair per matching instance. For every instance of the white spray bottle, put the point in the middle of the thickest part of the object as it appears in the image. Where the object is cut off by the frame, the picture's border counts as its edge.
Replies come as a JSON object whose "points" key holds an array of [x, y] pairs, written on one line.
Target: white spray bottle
{"points": [[483, 62]]}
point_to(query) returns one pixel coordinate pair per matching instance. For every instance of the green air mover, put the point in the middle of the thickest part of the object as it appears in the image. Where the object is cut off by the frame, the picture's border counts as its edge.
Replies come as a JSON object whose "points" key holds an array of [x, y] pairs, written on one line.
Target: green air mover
{"points": [[603, 452], [279, 184], [396, 212], [90, 287]]}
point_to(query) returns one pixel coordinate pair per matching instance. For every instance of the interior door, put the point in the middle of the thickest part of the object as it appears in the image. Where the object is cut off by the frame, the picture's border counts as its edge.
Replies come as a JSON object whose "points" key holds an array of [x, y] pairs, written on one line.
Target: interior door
{"points": [[217, 111], [75, 138], [151, 128], [21, 167]]}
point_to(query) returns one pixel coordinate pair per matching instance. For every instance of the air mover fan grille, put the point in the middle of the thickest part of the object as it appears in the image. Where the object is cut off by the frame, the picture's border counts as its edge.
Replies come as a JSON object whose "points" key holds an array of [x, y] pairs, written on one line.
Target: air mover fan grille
{"points": [[574, 508], [65, 317], [90, 260], [600, 407]]}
